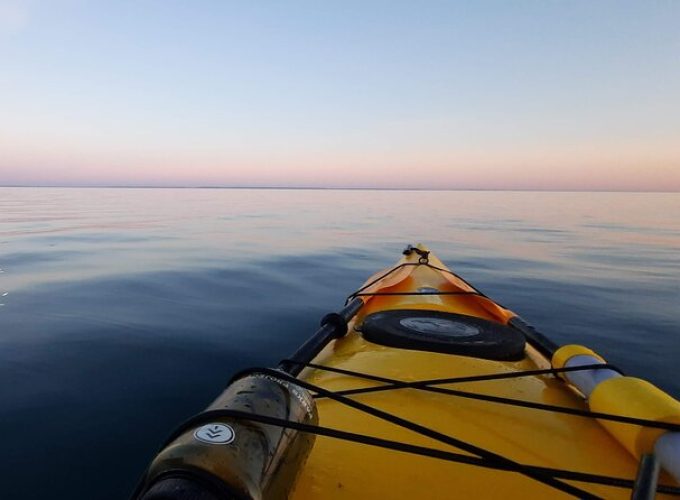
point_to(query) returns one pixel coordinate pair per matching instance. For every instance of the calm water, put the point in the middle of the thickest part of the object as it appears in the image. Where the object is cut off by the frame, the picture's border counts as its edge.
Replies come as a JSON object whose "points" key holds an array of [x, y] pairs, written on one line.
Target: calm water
{"points": [[126, 310]]}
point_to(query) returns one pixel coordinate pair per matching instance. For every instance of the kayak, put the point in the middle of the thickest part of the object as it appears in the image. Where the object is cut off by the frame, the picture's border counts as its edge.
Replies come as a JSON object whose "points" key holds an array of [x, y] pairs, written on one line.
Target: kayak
{"points": [[424, 387]]}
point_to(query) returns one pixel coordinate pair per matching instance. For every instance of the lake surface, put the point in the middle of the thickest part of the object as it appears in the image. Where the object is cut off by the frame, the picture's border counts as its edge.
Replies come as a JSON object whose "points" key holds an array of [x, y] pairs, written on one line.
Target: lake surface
{"points": [[124, 311]]}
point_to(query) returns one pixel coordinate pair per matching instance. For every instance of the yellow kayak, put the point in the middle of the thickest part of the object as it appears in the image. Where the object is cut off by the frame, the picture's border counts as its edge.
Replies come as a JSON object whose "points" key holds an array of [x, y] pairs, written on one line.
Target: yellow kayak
{"points": [[423, 387]]}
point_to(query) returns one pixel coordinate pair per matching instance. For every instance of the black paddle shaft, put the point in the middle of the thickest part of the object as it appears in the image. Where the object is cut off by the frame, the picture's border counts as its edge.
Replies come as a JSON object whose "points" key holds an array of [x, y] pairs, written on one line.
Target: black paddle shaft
{"points": [[542, 343], [333, 326], [647, 478]]}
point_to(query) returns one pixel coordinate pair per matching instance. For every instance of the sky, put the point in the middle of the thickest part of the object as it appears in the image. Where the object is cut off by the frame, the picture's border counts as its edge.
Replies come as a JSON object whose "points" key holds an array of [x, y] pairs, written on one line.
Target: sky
{"points": [[526, 94]]}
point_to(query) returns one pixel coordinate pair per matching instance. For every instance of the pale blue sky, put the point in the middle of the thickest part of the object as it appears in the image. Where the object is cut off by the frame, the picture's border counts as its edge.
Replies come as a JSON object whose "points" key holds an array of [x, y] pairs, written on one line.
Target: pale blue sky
{"points": [[527, 94]]}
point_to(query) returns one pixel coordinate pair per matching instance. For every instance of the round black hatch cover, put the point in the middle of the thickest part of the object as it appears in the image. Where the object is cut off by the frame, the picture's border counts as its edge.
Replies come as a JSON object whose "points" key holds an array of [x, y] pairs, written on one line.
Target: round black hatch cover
{"points": [[444, 332]]}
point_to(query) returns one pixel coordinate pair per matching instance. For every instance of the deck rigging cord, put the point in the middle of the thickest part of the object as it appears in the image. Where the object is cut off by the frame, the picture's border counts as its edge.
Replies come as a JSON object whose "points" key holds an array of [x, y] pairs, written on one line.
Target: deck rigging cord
{"points": [[484, 458], [415, 427], [413, 449], [360, 292], [426, 385], [423, 260]]}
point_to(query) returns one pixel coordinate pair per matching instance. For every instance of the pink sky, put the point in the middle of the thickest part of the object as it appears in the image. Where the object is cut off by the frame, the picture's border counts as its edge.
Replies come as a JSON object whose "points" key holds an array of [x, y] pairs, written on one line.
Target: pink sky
{"points": [[580, 167], [458, 96]]}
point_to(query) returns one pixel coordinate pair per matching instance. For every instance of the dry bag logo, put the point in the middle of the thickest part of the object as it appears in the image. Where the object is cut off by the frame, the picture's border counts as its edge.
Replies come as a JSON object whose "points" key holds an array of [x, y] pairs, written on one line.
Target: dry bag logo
{"points": [[215, 434]]}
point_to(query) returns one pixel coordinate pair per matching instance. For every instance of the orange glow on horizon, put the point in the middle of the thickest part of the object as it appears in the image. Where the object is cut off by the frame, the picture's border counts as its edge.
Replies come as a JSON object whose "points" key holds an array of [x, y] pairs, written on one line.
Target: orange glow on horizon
{"points": [[630, 168]]}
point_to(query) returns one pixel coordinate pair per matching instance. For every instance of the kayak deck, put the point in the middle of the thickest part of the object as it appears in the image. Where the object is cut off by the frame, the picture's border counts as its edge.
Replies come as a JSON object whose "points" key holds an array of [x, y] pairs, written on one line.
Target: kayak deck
{"points": [[423, 387], [340, 469]]}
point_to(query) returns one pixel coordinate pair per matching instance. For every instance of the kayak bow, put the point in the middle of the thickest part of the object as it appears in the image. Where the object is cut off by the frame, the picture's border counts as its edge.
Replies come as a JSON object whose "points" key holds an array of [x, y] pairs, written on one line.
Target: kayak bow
{"points": [[422, 386]]}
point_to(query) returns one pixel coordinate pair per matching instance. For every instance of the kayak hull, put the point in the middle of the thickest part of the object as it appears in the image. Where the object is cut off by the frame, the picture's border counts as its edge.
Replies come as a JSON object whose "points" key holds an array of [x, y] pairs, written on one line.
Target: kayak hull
{"points": [[341, 469]]}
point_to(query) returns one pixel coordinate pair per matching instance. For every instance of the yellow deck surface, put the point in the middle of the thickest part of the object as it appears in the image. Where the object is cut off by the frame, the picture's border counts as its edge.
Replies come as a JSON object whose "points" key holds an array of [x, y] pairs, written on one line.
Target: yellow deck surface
{"points": [[340, 469]]}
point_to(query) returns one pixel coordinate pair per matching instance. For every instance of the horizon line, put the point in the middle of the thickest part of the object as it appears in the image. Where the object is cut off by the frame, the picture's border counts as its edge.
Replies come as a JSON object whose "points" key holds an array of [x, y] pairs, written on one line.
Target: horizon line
{"points": [[334, 188]]}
